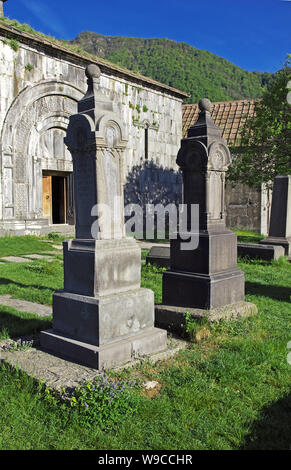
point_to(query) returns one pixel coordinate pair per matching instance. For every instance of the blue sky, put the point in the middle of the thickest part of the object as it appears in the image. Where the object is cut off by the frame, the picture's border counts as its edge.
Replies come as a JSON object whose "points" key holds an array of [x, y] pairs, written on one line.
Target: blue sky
{"points": [[254, 34]]}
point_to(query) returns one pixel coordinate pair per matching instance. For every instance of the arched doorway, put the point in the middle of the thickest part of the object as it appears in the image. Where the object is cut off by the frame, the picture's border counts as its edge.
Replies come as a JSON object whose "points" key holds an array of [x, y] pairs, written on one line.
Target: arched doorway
{"points": [[33, 151]]}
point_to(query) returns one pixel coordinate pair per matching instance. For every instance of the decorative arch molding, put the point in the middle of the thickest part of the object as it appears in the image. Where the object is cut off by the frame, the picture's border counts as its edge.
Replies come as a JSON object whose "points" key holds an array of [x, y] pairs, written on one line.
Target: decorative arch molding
{"points": [[30, 95], [38, 112], [108, 120], [60, 120]]}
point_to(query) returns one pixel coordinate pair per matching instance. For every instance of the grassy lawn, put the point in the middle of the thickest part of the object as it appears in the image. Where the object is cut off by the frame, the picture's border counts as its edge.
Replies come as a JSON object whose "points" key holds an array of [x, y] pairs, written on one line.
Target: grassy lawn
{"points": [[26, 245], [35, 281], [245, 236], [231, 390]]}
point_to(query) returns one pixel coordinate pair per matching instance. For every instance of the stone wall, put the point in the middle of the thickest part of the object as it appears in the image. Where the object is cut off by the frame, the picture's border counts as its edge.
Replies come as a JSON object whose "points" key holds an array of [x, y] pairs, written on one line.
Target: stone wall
{"points": [[40, 87], [247, 208], [243, 207]]}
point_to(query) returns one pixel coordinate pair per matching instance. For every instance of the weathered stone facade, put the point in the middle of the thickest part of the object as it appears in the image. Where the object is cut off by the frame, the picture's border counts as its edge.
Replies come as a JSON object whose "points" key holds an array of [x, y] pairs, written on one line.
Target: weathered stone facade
{"points": [[247, 208], [40, 85]]}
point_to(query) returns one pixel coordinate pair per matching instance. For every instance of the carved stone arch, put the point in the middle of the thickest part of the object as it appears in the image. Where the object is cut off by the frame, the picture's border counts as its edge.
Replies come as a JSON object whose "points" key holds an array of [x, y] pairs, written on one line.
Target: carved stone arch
{"points": [[31, 94], [60, 120], [192, 155], [40, 113], [219, 156], [110, 119], [80, 130]]}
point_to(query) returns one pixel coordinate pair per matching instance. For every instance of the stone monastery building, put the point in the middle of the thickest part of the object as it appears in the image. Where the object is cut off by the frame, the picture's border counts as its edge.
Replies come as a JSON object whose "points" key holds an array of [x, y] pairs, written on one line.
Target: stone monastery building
{"points": [[40, 85]]}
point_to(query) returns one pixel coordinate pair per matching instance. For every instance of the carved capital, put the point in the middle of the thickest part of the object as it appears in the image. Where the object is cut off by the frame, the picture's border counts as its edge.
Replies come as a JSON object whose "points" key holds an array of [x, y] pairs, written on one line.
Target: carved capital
{"points": [[219, 157]]}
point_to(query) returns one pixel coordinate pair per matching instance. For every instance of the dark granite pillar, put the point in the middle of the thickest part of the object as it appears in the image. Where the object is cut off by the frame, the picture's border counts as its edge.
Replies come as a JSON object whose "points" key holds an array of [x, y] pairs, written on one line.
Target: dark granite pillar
{"points": [[205, 277], [280, 222]]}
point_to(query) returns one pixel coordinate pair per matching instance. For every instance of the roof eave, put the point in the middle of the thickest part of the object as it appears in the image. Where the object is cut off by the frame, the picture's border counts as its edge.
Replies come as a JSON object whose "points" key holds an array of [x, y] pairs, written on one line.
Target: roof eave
{"points": [[106, 67]]}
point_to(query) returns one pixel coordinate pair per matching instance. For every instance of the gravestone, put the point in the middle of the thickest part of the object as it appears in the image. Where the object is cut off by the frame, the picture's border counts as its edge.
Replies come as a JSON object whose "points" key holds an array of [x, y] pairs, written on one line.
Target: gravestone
{"points": [[280, 221], [256, 251], [102, 318], [204, 277], [161, 255]]}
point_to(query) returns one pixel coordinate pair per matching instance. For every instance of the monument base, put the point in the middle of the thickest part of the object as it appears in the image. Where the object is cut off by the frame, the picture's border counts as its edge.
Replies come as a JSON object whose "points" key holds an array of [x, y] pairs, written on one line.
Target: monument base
{"points": [[278, 241], [203, 291], [101, 320], [173, 318], [109, 355]]}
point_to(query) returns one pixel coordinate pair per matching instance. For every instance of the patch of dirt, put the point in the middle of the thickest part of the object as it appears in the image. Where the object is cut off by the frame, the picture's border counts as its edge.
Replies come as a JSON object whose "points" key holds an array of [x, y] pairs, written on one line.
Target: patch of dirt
{"points": [[152, 392]]}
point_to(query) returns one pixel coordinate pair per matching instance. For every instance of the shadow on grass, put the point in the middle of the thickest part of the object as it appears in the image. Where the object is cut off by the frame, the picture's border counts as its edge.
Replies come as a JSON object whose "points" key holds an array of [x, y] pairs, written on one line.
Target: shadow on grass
{"points": [[274, 292], [5, 281], [273, 431], [19, 324]]}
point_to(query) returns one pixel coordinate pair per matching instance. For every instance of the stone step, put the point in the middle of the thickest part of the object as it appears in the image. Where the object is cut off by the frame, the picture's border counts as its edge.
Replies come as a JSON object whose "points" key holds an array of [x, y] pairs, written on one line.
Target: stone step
{"points": [[25, 306], [15, 259]]}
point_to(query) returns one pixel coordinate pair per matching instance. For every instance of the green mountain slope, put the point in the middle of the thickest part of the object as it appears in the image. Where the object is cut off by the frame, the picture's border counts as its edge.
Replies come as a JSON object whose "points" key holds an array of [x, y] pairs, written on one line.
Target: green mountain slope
{"points": [[198, 72]]}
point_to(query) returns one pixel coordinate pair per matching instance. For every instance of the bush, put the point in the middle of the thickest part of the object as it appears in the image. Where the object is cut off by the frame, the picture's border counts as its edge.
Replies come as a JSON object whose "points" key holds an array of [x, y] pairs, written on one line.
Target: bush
{"points": [[14, 44], [53, 236]]}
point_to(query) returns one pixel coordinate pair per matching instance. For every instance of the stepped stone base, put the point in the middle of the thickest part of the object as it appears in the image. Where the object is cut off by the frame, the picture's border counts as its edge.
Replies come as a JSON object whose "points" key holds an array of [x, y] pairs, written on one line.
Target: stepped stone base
{"points": [[173, 318], [107, 356], [203, 291], [256, 251], [278, 241], [101, 320]]}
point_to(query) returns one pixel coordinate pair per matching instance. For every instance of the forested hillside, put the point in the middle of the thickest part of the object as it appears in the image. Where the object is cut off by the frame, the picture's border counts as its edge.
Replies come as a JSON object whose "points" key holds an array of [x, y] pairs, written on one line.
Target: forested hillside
{"points": [[198, 72]]}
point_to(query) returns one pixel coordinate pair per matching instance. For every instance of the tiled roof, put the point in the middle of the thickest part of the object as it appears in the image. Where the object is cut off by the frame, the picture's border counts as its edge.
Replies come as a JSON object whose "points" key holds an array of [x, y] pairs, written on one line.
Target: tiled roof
{"points": [[230, 116]]}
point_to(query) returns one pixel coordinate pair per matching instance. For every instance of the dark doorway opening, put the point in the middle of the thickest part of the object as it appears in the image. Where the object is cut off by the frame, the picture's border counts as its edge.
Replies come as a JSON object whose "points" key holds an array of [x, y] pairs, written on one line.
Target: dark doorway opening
{"points": [[58, 204], [58, 200]]}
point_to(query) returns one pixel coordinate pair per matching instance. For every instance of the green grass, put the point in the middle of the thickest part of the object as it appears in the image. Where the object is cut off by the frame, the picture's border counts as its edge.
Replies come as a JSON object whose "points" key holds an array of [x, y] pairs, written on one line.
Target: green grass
{"points": [[229, 391], [26, 245], [14, 323], [144, 254], [35, 281], [245, 236], [151, 278]]}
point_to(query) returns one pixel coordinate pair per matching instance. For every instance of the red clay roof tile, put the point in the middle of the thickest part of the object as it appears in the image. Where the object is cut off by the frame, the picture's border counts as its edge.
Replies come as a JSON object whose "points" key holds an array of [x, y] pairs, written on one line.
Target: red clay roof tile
{"points": [[230, 116]]}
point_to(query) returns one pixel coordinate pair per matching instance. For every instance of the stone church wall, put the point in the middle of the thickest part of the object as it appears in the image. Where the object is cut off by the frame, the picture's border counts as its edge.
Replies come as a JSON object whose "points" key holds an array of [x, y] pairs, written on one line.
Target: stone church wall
{"points": [[40, 85], [39, 90]]}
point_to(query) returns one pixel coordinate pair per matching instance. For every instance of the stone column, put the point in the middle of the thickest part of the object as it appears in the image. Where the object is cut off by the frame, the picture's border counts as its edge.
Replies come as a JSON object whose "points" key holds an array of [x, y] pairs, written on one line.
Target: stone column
{"points": [[1, 7], [280, 221], [205, 277], [102, 317]]}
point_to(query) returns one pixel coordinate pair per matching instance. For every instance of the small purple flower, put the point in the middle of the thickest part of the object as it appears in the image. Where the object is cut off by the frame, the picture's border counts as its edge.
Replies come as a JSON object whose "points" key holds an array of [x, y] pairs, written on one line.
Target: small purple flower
{"points": [[86, 406]]}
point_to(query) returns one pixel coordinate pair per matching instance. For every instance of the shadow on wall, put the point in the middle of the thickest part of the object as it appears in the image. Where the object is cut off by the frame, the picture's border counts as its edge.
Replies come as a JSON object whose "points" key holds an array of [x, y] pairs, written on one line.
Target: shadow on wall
{"points": [[151, 184], [148, 183]]}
